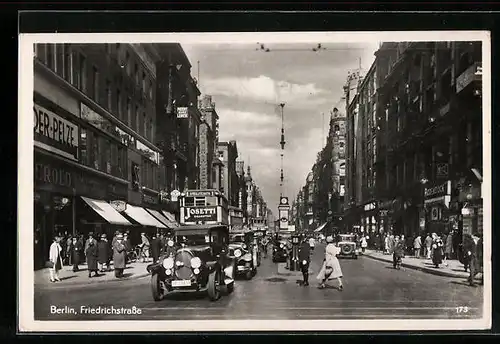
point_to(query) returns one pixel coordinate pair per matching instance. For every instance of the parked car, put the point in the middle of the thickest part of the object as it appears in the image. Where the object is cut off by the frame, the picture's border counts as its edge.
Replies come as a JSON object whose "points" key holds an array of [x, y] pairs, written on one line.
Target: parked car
{"points": [[348, 246], [200, 263]]}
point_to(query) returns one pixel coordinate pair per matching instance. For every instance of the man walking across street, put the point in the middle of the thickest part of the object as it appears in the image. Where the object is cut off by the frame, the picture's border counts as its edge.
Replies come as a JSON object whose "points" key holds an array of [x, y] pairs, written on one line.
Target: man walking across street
{"points": [[417, 246], [428, 244], [305, 258]]}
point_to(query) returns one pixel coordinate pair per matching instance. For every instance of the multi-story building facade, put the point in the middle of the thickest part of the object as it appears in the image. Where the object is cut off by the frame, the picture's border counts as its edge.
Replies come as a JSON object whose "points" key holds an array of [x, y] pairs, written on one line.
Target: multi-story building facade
{"points": [[429, 161], [178, 119], [362, 206], [94, 135], [228, 153], [336, 141], [208, 141]]}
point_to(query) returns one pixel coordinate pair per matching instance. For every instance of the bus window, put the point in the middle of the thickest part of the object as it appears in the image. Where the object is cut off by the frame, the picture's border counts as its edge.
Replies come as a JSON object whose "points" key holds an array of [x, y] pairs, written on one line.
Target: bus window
{"points": [[211, 200], [189, 201]]}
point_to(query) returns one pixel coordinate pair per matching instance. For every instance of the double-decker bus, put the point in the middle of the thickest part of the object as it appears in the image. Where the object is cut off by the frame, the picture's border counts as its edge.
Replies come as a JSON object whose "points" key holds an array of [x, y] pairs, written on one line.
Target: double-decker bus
{"points": [[203, 207]]}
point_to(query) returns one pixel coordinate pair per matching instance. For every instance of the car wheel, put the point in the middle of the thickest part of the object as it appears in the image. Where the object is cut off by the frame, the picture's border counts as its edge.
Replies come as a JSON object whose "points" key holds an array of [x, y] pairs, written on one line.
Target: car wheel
{"points": [[249, 275], [156, 288], [214, 285]]}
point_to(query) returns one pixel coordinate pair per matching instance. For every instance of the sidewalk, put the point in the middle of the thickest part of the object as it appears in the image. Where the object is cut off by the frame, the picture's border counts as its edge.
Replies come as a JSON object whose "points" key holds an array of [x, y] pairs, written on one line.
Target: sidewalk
{"points": [[454, 269], [70, 278]]}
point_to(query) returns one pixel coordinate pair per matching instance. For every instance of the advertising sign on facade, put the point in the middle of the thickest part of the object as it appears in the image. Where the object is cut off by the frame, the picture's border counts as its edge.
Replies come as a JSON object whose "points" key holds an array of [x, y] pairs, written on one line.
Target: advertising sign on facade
{"points": [[200, 214], [54, 133], [119, 206], [200, 193], [182, 112]]}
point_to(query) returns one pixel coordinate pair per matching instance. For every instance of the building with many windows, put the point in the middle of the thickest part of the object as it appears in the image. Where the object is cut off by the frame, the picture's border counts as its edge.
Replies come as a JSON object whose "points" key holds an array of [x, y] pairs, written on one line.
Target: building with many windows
{"points": [[94, 136], [228, 153], [208, 139]]}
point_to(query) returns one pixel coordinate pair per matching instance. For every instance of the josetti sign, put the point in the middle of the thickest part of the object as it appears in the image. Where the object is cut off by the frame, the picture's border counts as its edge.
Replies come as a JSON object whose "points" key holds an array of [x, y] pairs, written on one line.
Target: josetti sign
{"points": [[200, 214], [54, 133]]}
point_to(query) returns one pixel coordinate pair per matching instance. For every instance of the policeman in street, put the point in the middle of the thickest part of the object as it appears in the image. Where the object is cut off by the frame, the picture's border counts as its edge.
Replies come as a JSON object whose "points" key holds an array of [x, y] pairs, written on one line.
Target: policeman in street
{"points": [[476, 257], [305, 259]]}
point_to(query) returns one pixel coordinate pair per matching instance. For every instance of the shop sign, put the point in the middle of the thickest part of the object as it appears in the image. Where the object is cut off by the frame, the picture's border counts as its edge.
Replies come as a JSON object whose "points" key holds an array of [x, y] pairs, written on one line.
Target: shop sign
{"points": [[200, 214], [174, 195], [149, 199], [119, 206], [471, 74], [49, 174], [148, 152], [370, 206], [442, 170], [164, 196], [182, 112], [54, 133], [200, 193], [438, 190]]}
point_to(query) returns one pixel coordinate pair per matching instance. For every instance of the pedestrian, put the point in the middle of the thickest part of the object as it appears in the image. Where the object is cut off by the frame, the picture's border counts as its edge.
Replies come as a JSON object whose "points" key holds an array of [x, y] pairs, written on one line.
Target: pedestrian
{"points": [[428, 244], [119, 256], [69, 241], [417, 245], [398, 251], [448, 246], [364, 244], [386, 244], [392, 241], [55, 259], [476, 259], [104, 253], [76, 250], [114, 237], [155, 248], [145, 247], [331, 266], [92, 255], [312, 243], [305, 259]]}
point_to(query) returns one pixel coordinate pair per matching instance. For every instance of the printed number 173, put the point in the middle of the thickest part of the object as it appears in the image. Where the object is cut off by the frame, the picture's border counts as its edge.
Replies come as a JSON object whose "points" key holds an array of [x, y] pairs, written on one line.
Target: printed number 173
{"points": [[462, 309]]}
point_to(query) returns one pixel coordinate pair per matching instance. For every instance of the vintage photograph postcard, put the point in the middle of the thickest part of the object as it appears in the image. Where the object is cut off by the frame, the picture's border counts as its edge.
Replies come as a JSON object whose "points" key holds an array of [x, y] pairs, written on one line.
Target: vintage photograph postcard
{"points": [[325, 181]]}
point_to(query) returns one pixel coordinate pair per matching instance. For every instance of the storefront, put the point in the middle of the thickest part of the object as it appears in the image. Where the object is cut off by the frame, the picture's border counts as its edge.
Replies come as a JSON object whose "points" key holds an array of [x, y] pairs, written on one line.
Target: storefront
{"points": [[437, 199], [369, 221]]}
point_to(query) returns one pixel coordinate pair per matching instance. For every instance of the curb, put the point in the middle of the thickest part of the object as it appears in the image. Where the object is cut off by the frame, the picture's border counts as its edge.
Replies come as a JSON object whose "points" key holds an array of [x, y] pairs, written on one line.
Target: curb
{"points": [[89, 283], [419, 268]]}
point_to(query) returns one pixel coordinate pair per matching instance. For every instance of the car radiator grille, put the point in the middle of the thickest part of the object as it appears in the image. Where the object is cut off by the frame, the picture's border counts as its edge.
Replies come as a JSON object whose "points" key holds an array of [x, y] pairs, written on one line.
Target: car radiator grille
{"points": [[184, 271]]}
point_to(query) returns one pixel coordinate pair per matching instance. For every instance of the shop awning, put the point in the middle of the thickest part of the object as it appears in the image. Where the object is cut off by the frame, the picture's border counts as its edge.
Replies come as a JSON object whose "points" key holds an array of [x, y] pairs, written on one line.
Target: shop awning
{"points": [[171, 218], [320, 227], [143, 217], [159, 216], [106, 211]]}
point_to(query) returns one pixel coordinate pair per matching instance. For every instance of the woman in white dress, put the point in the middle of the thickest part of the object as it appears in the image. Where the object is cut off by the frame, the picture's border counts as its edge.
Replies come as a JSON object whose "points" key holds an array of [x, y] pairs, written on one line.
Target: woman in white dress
{"points": [[331, 266], [55, 259]]}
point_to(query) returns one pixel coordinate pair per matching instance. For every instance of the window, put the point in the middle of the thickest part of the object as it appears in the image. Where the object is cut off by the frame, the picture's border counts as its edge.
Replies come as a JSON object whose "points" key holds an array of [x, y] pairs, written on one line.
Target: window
{"points": [[51, 56], [82, 74], [144, 125], [108, 95], [95, 83], [68, 63], [106, 157], [150, 90], [59, 59], [121, 162], [96, 152], [136, 72], [152, 130], [119, 104], [145, 168], [135, 124], [128, 67], [129, 113], [82, 145], [144, 82]]}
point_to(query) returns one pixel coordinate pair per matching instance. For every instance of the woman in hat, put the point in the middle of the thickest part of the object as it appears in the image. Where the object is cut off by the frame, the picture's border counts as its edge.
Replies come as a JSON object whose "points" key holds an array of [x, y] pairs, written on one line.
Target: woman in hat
{"points": [[92, 254], [55, 259], [119, 256], [331, 266], [103, 252]]}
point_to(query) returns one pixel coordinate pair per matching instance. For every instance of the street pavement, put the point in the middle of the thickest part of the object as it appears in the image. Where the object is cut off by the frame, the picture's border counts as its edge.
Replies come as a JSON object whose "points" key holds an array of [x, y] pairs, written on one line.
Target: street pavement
{"points": [[372, 290]]}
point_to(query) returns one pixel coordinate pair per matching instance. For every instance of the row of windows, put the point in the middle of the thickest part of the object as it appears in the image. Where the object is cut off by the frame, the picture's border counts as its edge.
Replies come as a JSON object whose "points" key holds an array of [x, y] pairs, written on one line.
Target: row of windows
{"points": [[72, 65], [150, 174]]}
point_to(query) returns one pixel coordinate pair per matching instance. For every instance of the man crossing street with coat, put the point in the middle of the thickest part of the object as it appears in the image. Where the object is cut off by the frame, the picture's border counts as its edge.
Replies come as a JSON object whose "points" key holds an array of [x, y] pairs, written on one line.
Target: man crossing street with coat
{"points": [[305, 259]]}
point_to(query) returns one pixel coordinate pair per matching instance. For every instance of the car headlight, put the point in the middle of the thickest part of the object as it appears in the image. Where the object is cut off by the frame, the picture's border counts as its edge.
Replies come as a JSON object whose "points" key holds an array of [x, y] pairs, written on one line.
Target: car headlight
{"points": [[170, 243], [168, 263], [237, 253], [195, 262], [247, 257]]}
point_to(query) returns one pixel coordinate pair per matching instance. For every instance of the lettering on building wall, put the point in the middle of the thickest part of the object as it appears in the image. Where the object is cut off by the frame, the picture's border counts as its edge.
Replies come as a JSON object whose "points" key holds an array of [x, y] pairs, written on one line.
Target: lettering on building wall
{"points": [[51, 175], [55, 133]]}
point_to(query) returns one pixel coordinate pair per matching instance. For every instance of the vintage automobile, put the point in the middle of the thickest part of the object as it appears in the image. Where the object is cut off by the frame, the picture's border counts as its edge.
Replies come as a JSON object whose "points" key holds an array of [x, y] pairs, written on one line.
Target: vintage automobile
{"points": [[348, 246], [200, 263], [245, 252]]}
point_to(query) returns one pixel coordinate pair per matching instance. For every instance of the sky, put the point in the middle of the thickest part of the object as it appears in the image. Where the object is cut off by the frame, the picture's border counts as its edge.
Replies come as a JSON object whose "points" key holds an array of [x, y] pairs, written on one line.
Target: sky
{"points": [[247, 84]]}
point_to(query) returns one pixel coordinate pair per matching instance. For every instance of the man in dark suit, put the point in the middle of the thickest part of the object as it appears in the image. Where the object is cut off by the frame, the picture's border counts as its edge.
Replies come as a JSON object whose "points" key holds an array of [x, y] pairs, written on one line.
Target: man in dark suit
{"points": [[155, 248], [305, 259]]}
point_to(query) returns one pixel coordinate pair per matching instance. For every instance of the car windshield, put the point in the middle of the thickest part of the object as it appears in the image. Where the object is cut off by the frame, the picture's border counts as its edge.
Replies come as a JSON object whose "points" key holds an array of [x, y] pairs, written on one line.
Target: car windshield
{"points": [[193, 239], [237, 238], [347, 238]]}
